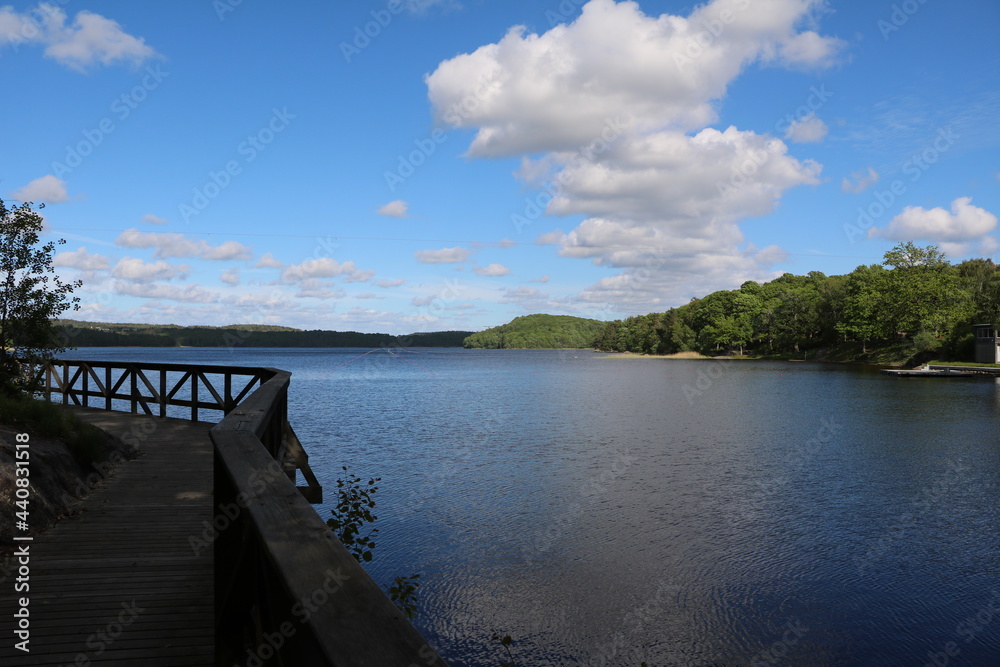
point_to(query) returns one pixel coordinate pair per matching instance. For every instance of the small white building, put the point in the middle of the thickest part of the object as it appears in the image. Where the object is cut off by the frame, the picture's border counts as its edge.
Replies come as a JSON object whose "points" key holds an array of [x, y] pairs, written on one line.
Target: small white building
{"points": [[987, 344]]}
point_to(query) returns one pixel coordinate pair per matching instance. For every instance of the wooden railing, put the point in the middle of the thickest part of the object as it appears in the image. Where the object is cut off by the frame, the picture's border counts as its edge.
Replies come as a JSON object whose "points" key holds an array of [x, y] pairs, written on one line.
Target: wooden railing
{"points": [[287, 592]]}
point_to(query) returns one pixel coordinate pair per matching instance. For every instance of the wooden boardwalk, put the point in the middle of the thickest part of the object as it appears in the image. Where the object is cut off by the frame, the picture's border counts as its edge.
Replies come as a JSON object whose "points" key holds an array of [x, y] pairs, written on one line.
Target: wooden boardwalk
{"points": [[121, 584]]}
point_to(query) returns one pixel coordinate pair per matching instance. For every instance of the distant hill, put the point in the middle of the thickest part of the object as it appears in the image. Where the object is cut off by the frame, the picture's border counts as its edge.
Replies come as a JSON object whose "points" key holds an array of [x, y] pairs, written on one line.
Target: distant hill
{"points": [[539, 332], [106, 334]]}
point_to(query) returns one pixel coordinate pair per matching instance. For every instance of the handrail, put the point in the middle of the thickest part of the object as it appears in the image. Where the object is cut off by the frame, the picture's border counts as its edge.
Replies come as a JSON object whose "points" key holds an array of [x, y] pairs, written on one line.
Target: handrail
{"points": [[287, 591]]}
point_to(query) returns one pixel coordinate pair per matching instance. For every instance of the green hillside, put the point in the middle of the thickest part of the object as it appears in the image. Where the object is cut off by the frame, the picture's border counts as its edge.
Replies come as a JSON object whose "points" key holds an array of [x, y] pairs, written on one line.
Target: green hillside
{"points": [[539, 332], [103, 334]]}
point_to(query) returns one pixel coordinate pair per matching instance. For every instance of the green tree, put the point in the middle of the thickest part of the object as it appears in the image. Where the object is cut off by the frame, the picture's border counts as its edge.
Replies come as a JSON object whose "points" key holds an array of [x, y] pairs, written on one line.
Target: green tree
{"points": [[30, 297]]}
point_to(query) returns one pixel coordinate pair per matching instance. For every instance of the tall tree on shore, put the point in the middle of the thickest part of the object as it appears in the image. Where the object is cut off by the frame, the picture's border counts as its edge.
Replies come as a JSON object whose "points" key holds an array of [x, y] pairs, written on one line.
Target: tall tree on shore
{"points": [[31, 295]]}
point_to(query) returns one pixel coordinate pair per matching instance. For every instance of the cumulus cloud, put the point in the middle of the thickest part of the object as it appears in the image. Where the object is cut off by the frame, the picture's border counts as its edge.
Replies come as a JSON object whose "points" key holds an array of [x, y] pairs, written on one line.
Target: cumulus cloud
{"points": [[188, 294], [390, 283], [532, 93], [267, 261], [394, 209], [809, 129], [325, 267], [492, 270], [82, 260], [88, 40], [231, 277], [177, 245], [443, 256], [859, 182], [662, 194], [47, 189], [964, 222], [139, 271], [151, 219], [542, 279]]}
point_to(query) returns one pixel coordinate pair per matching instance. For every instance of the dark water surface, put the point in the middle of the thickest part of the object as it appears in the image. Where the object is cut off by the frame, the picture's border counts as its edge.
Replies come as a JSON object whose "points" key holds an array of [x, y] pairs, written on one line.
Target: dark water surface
{"points": [[612, 511]]}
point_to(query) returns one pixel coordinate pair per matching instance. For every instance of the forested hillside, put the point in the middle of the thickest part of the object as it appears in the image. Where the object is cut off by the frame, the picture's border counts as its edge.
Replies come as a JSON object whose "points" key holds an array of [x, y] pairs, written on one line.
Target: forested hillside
{"points": [[916, 302], [539, 331], [98, 334]]}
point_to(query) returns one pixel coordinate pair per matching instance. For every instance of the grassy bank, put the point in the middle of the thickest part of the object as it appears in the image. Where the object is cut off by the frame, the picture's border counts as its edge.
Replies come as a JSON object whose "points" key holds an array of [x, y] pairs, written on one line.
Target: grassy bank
{"points": [[43, 419]]}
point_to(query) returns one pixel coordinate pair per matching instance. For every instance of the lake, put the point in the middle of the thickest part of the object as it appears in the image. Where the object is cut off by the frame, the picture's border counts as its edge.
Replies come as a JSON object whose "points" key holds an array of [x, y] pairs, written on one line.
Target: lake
{"points": [[608, 511]]}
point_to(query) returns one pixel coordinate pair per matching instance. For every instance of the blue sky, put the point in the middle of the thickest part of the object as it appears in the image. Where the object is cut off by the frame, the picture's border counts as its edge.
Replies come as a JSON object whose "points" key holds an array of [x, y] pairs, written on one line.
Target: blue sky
{"points": [[426, 165]]}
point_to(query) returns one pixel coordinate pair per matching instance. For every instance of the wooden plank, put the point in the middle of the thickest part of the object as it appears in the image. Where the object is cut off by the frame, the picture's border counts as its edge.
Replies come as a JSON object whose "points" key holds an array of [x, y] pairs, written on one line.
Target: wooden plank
{"points": [[129, 545]]}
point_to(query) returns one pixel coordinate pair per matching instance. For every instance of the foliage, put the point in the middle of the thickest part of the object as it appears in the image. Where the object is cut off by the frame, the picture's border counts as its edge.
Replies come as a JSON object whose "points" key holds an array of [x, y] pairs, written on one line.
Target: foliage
{"points": [[403, 591], [104, 334], [539, 332], [351, 514], [31, 294], [85, 442], [913, 303], [505, 641]]}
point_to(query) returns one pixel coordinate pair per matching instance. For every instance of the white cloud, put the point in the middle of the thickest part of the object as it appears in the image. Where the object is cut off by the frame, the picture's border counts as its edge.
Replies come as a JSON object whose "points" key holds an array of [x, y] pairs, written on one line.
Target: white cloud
{"points": [[964, 222], [177, 245], [806, 130], [136, 270], [47, 189], [267, 261], [325, 267], [662, 193], [231, 277], [493, 270], [443, 256], [228, 250], [394, 209], [390, 283], [151, 219], [542, 279], [557, 91], [861, 181], [188, 294], [522, 294], [82, 260], [89, 39]]}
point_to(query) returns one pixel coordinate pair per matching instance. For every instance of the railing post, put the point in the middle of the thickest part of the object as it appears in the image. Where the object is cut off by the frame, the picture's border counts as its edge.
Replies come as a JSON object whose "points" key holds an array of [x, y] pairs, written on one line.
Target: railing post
{"points": [[194, 396], [135, 390], [107, 388], [85, 368], [163, 392], [65, 386]]}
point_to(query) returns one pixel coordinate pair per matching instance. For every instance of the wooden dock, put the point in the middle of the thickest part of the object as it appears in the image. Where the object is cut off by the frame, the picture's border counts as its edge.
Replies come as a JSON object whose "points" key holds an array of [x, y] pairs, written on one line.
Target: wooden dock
{"points": [[120, 584], [944, 371]]}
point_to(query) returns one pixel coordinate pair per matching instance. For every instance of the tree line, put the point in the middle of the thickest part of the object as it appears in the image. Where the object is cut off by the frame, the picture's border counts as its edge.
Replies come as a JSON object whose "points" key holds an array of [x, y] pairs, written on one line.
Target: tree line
{"points": [[915, 301]]}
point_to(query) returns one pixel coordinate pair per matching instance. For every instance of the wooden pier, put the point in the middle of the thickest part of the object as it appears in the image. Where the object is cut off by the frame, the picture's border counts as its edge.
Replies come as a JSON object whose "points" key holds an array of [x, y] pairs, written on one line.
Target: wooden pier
{"points": [[203, 551], [120, 584], [944, 371]]}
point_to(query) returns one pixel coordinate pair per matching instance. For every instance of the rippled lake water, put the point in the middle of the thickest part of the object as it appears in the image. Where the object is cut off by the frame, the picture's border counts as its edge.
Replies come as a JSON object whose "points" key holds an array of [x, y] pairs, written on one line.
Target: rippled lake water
{"points": [[608, 511]]}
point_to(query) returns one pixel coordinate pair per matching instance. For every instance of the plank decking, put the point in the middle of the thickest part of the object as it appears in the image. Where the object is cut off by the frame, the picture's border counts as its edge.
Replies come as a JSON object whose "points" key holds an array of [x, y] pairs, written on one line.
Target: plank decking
{"points": [[121, 583]]}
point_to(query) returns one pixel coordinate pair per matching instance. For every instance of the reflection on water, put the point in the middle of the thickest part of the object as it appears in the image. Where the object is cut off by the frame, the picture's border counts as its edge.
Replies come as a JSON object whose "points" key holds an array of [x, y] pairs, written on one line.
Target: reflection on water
{"points": [[610, 511]]}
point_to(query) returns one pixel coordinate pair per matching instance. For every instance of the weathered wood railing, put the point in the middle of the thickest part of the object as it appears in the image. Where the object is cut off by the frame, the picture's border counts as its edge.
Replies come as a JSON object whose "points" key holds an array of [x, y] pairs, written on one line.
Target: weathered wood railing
{"points": [[287, 592]]}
